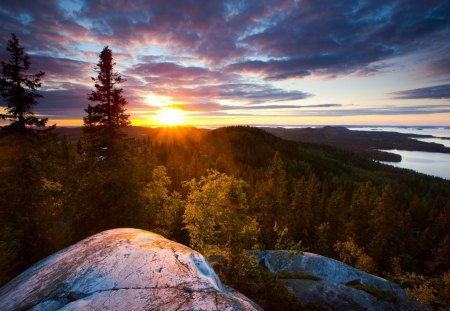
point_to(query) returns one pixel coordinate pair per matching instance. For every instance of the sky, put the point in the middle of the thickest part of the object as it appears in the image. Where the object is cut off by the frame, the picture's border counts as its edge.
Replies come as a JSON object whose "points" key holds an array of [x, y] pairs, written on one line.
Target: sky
{"points": [[274, 62]]}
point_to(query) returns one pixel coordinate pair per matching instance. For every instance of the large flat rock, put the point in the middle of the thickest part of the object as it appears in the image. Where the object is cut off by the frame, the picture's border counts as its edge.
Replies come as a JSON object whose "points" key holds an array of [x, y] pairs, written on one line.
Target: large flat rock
{"points": [[331, 290], [122, 269]]}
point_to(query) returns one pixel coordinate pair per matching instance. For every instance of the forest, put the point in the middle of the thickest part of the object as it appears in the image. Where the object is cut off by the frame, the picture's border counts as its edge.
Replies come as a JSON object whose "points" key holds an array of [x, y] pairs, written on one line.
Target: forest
{"points": [[221, 191]]}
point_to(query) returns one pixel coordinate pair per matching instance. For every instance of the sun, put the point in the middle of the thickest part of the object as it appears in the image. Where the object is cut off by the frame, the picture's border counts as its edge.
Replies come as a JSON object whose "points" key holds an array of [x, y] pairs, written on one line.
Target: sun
{"points": [[171, 116]]}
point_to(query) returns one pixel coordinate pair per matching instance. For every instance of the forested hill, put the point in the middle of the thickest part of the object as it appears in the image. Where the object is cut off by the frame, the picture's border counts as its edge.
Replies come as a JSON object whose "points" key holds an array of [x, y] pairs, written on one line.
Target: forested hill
{"points": [[364, 143], [251, 189]]}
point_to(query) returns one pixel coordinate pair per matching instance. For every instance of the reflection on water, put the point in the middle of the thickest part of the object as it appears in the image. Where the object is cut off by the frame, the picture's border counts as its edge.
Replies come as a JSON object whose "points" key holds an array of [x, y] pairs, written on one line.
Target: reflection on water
{"points": [[431, 163]]}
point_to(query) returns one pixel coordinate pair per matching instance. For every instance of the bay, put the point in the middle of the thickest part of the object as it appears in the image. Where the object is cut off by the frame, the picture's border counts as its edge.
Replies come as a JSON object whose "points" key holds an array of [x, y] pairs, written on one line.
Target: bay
{"points": [[430, 163]]}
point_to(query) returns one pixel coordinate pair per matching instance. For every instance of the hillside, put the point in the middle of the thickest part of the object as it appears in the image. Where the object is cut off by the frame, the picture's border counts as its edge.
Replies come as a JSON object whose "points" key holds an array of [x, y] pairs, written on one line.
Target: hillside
{"points": [[239, 187], [364, 143]]}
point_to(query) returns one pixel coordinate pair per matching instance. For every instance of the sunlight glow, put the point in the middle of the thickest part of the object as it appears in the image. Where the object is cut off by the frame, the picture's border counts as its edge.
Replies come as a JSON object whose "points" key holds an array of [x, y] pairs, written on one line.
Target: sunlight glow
{"points": [[158, 100], [171, 116]]}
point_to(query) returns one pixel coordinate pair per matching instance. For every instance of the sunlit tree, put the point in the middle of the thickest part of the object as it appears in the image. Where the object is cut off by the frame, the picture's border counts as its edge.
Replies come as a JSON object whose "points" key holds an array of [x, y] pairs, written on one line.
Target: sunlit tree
{"points": [[162, 209], [19, 89], [217, 213], [352, 254]]}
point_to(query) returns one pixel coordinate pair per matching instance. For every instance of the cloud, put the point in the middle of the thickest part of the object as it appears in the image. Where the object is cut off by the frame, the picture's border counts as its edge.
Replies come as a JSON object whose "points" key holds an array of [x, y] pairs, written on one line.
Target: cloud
{"points": [[206, 54], [190, 26], [68, 103], [210, 107], [41, 26], [294, 38], [388, 110], [431, 92], [173, 74], [345, 37], [439, 68], [204, 86], [62, 69], [244, 93]]}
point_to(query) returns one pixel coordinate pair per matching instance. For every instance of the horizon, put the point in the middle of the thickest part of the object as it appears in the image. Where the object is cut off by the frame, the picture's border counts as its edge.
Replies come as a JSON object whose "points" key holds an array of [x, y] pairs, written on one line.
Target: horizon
{"points": [[283, 126], [286, 63]]}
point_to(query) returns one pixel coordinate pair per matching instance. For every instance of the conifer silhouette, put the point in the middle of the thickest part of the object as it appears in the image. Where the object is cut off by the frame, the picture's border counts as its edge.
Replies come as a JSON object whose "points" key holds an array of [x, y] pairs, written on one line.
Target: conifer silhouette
{"points": [[19, 88]]}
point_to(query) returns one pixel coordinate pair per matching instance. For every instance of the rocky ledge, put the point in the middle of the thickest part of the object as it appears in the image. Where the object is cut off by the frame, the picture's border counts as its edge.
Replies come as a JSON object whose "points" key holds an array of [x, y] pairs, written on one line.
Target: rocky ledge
{"points": [[122, 269], [323, 283]]}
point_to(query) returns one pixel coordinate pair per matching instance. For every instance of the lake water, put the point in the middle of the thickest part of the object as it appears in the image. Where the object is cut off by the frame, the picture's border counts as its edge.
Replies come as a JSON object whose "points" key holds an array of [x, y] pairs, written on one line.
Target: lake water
{"points": [[430, 163]]}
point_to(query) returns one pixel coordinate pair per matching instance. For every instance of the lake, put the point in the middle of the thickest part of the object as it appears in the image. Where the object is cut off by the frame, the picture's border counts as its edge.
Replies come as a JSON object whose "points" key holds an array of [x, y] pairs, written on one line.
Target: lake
{"points": [[430, 163]]}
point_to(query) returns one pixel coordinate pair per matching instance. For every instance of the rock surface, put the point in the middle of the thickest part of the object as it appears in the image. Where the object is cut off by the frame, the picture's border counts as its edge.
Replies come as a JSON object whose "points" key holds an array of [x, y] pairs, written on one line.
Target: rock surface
{"points": [[122, 269], [330, 291]]}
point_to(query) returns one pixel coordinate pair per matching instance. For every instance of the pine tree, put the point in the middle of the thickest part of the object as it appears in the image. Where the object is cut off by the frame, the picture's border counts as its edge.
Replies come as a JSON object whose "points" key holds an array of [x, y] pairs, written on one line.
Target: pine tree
{"points": [[109, 112], [19, 88], [386, 223]]}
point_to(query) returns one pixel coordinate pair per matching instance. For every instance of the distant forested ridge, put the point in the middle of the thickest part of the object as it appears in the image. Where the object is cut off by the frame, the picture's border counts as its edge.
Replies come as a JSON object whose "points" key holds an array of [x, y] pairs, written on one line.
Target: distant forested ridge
{"points": [[364, 143], [56, 190]]}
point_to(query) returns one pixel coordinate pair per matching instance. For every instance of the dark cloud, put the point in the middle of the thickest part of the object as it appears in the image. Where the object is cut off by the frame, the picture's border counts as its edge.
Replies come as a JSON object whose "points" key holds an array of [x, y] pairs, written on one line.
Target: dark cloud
{"points": [[189, 26], [62, 69], [294, 37], [431, 92], [41, 26], [167, 73], [68, 103], [344, 37]]}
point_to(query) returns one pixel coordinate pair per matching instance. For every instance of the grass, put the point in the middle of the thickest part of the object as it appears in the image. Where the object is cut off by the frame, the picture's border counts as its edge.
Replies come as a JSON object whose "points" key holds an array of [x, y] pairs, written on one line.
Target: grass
{"points": [[376, 292]]}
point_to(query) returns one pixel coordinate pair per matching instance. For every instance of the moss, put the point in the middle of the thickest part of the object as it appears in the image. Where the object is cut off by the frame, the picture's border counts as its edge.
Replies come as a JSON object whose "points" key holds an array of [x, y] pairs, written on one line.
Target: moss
{"points": [[287, 275], [376, 292]]}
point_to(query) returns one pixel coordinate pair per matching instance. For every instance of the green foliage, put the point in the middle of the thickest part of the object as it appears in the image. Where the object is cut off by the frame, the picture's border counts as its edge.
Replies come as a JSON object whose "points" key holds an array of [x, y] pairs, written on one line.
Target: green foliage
{"points": [[216, 213], [18, 88], [352, 254], [9, 250], [441, 261], [284, 242], [443, 290], [245, 275], [270, 193], [418, 287], [162, 210]]}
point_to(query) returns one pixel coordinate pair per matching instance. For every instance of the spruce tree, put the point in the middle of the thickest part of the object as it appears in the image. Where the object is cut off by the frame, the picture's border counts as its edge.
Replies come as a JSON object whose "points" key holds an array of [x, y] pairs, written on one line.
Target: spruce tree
{"points": [[108, 113], [19, 88]]}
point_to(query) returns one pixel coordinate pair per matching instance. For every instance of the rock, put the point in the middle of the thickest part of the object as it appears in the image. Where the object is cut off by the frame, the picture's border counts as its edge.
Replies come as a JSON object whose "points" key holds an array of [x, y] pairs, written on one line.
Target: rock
{"points": [[334, 296], [331, 290], [122, 269]]}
